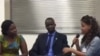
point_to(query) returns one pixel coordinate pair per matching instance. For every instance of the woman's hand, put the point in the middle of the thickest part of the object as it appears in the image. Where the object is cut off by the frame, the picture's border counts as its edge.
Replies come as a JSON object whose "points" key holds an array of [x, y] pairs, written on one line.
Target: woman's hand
{"points": [[76, 41]]}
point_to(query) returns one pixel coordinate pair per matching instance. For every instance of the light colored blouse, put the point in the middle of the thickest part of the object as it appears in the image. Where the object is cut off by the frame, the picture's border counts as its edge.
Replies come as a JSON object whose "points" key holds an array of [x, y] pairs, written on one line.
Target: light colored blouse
{"points": [[11, 49], [93, 49]]}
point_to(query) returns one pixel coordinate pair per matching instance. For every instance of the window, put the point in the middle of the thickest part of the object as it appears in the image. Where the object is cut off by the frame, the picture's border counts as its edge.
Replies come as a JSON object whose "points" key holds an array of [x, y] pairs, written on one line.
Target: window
{"points": [[30, 15]]}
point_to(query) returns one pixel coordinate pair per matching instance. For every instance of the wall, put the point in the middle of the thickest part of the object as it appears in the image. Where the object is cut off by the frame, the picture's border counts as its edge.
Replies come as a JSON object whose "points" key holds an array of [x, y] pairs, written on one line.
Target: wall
{"points": [[4, 11], [97, 10], [1, 12], [7, 9]]}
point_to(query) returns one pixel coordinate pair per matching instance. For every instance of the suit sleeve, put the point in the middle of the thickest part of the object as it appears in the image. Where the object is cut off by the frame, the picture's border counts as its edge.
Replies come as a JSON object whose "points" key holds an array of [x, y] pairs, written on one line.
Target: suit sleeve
{"points": [[65, 44], [34, 50]]}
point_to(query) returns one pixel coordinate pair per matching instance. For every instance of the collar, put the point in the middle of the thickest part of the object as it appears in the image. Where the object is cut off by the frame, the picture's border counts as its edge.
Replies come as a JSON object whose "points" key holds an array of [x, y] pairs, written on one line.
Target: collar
{"points": [[52, 33]]}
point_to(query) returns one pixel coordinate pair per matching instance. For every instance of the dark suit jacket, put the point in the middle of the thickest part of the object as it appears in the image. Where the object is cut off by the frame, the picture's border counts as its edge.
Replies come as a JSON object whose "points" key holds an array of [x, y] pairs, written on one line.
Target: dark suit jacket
{"points": [[39, 48]]}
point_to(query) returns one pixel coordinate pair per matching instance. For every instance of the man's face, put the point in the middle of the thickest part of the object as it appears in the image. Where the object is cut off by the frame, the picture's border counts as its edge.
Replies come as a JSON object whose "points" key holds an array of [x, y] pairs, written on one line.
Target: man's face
{"points": [[50, 26]]}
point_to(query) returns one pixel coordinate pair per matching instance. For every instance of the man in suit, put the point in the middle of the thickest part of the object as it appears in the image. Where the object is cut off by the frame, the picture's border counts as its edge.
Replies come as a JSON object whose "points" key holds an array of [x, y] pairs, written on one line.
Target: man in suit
{"points": [[51, 43]]}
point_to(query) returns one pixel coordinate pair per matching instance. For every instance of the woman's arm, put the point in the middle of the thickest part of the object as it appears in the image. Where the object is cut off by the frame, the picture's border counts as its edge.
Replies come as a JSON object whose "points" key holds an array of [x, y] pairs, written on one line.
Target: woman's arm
{"points": [[78, 47], [76, 52], [23, 47]]}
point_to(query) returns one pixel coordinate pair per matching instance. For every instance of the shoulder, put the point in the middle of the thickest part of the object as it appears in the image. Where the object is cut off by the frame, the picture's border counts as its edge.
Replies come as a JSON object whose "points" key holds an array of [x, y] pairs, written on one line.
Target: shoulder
{"points": [[94, 47], [1, 38], [61, 34], [42, 34], [95, 41], [20, 37]]}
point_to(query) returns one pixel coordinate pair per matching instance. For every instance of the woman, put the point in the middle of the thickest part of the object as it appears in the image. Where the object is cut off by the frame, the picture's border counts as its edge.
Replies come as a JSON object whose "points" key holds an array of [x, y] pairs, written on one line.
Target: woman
{"points": [[90, 45], [10, 41]]}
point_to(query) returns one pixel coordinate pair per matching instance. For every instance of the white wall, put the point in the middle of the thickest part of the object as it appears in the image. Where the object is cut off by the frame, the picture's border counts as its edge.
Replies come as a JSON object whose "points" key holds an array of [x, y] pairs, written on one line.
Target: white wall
{"points": [[1, 12]]}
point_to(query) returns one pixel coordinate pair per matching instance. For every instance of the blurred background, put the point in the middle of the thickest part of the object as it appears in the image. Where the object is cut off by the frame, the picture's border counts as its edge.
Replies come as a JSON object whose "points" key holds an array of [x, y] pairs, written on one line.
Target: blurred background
{"points": [[29, 16]]}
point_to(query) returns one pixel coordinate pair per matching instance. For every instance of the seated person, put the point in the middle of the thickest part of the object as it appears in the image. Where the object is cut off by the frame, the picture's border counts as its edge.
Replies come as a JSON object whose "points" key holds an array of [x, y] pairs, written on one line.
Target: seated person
{"points": [[50, 43], [10, 41]]}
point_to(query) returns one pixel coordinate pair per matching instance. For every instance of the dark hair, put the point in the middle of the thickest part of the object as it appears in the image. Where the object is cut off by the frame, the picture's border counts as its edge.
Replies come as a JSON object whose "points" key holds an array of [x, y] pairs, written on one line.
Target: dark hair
{"points": [[49, 18], [94, 31], [5, 26]]}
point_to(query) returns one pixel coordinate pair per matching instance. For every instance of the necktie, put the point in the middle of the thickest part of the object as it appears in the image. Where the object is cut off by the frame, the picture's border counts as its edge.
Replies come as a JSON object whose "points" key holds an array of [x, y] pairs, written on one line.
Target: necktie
{"points": [[49, 42]]}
